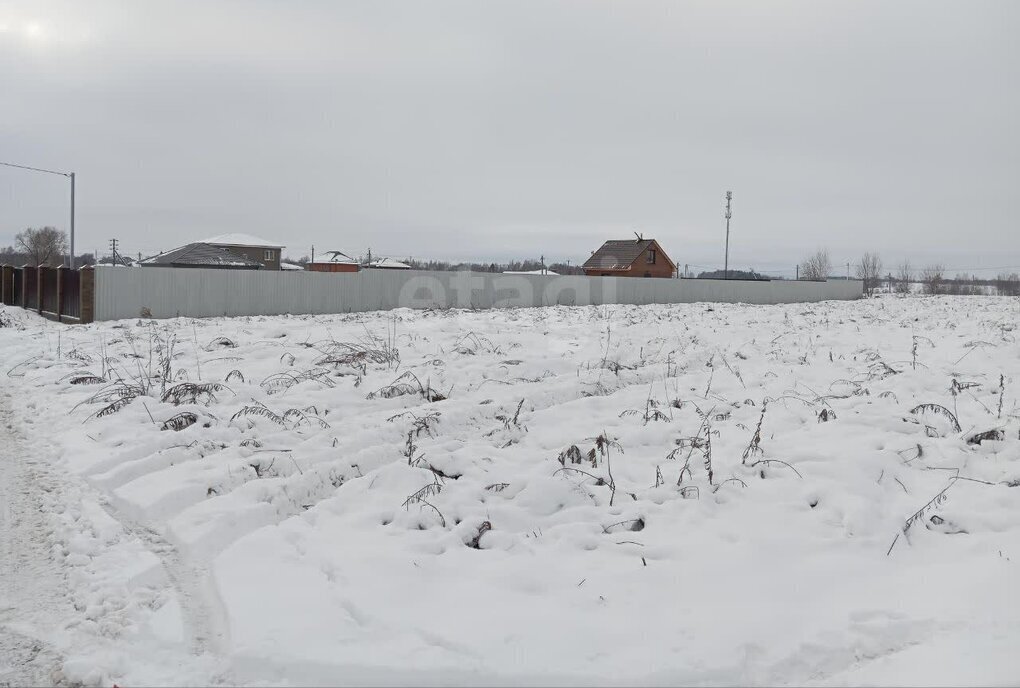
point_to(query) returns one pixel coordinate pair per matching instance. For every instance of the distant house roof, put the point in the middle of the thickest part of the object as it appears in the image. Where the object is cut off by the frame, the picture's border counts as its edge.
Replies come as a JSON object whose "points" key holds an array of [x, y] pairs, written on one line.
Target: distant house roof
{"points": [[529, 272], [239, 239], [338, 257], [202, 254], [389, 263], [619, 254]]}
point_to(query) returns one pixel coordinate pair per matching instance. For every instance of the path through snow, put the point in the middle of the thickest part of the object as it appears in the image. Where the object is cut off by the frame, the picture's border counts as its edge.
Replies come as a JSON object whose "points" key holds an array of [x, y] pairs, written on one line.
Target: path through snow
{"points": [[201, 609], [31, 580], [85, 590]]}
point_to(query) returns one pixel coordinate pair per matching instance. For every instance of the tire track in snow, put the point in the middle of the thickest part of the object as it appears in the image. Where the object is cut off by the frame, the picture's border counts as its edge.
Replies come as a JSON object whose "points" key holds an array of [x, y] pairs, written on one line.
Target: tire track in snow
{"points": [[201, 608], [869, 637], [32, 601]]}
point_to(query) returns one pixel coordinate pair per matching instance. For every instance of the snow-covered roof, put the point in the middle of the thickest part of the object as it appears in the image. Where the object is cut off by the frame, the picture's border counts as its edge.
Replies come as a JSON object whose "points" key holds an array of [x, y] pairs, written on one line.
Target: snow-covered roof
{"points": [[290, 266], [389, 263], [239, 239], [337, 257], [529, 272]]}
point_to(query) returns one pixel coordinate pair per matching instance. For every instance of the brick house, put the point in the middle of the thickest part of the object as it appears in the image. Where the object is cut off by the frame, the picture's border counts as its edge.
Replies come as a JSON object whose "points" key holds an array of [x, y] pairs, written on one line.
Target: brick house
{"points": [[332, 266], [338, 262], [638, 257], [201, 255], [251, 247]]}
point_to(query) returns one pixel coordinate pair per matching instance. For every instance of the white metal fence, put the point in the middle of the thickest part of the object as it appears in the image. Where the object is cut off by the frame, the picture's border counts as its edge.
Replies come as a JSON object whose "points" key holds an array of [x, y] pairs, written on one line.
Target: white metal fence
{"points": [[171, 292]]}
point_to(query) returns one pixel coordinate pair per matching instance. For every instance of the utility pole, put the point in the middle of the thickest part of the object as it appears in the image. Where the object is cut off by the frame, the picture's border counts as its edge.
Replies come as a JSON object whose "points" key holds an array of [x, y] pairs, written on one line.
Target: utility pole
{"points": [[729, 214], [542, 260], [313, 253], [113, 249], [848, 271], [62, 174], [798, 271]]}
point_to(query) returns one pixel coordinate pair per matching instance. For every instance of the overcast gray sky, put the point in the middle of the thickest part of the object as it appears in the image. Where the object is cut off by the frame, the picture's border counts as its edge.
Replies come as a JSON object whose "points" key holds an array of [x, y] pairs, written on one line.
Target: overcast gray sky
{"points": [[496, 130]]}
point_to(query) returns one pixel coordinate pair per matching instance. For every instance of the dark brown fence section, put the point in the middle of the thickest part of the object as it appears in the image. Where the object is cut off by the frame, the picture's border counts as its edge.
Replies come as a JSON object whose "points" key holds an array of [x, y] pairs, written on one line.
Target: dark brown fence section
{"points": [[30, 278], [17, 287], [56, 293], [70, 285], [49, 293], [7, 285]]}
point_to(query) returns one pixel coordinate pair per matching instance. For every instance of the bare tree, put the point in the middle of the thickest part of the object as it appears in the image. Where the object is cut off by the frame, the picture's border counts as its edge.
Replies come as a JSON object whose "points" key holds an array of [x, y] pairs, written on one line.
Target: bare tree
{"points": [[904, 276], [817, 266], [933, 278], [43, 245], [962, 285], [870, 271], [1008, 285]]}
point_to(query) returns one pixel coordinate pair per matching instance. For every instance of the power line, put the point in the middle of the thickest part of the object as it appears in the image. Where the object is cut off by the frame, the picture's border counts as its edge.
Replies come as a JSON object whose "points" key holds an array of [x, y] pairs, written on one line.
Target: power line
{"points": [[36, 169], [69, 175]]}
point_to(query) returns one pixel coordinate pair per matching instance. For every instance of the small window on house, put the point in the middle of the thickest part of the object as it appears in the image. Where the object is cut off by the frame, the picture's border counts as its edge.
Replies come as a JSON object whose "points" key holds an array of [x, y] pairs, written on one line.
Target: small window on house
{"points": [[269, 255], [651, 256]]}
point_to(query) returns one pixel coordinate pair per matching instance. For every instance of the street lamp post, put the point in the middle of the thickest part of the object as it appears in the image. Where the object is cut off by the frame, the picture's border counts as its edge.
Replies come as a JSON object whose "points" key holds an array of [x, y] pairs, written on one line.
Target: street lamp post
{"points": [[62, 174], [70, 258]]}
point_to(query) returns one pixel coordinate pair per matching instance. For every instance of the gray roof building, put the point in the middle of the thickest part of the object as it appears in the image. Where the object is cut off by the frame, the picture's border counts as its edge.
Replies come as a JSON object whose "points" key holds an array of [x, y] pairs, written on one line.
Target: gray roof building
{"points": [[202, 255]]}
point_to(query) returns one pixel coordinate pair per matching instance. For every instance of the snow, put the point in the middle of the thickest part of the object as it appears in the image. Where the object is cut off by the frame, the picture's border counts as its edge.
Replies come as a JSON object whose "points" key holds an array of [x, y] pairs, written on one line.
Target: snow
{"points": [[240, 239], [290, 266], [529, 272], [389, 263], [336, 257], [349, 533], [24, 549]]}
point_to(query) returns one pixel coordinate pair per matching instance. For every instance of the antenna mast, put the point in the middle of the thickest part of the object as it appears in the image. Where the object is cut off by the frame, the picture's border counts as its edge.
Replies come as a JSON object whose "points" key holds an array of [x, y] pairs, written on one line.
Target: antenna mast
{"points": [[729, 214]]}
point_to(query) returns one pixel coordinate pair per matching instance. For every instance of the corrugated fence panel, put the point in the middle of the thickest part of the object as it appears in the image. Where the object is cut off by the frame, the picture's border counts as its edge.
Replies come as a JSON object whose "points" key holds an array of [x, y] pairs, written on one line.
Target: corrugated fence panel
{"points": [[169, 292]]}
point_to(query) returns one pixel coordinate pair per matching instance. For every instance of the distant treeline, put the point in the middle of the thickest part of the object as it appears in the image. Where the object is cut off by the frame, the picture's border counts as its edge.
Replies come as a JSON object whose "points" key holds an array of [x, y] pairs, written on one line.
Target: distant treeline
{"points": [[526, 265], [961, 285], [732, 274], [10, 256], [445, 265]]}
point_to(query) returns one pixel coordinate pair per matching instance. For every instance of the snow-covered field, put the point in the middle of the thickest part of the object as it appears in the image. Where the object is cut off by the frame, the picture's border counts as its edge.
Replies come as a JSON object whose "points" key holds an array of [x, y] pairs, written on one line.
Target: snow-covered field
{"points": [[711, 494]]}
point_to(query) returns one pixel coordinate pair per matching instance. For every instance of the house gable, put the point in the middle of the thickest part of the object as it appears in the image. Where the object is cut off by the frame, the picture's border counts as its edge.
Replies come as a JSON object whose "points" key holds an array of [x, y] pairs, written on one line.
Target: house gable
{"points": [[630, 258]]}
